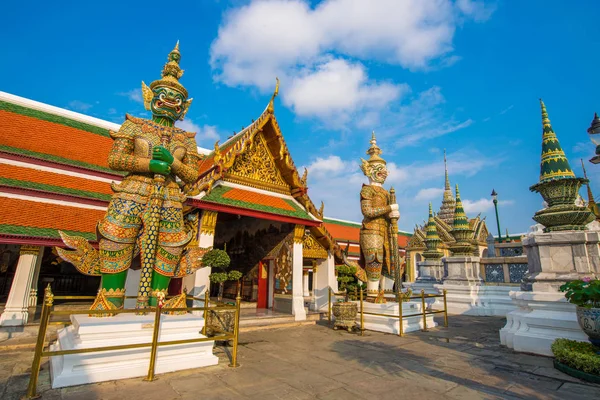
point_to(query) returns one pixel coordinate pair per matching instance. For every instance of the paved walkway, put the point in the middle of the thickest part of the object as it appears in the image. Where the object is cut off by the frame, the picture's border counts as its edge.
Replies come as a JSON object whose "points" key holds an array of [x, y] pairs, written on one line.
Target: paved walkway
{"points": [[464, 362]]}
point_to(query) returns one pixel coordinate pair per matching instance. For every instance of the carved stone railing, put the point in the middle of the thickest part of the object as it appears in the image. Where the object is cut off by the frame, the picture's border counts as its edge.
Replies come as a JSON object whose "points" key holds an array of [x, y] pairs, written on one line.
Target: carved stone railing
{"points": [[507, 266]]}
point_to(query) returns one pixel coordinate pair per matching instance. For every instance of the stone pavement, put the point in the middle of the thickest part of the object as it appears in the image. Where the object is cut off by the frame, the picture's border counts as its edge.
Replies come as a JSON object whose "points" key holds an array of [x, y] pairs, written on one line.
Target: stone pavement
{"points": [[464, 362]]}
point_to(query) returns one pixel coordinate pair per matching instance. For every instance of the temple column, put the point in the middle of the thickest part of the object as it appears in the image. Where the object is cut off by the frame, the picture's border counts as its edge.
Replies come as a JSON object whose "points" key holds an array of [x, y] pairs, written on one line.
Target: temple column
{"points": [[199, 281], [325, 279], [297, 275], [305, 291], [17, 306], [33, 292]]}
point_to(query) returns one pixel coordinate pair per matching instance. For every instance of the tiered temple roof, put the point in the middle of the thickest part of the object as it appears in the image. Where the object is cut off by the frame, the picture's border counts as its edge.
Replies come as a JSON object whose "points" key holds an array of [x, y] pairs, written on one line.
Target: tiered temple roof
{"points": [[54, 175], [444, 222]]}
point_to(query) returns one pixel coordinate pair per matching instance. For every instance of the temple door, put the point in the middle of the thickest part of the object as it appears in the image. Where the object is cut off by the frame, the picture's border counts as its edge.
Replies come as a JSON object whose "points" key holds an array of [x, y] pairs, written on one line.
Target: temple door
{"points": [[263, 285]]}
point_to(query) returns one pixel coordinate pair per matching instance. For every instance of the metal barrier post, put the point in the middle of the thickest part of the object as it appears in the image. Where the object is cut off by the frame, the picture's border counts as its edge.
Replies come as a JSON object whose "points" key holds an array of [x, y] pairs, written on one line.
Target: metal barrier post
{"points": [[206, 302], [445, 311], [39, 347], [329, 306], [424, 310], [236, 331], [154, 348], [362, 315], [400, 311]]}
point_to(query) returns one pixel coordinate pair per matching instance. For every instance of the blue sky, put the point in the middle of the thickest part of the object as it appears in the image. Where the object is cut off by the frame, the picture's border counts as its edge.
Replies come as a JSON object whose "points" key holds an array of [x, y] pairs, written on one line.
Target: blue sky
{"points": [[425, 75]]}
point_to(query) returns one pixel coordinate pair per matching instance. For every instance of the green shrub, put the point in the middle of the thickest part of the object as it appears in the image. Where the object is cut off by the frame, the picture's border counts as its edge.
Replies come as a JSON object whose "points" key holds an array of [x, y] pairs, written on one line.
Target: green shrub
{"points": [[234, 275], [216, 258], [218, 277], [577, 355], [583, 293]]}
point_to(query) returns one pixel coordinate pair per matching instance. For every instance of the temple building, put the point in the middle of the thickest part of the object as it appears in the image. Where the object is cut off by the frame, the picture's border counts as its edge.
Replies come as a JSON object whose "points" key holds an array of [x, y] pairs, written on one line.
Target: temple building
{"points": [[443, 221], [250, 200]]}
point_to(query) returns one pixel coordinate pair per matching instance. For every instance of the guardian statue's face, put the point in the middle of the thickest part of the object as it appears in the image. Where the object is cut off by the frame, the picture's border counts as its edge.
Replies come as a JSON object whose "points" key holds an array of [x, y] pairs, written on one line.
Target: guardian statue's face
{"points": [[379, 172], [168, 102]]}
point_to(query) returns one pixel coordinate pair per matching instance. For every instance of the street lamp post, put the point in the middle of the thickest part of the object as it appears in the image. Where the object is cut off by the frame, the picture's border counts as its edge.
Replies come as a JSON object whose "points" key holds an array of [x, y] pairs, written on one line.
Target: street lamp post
{"points": [[495, 199], [594, 132]]}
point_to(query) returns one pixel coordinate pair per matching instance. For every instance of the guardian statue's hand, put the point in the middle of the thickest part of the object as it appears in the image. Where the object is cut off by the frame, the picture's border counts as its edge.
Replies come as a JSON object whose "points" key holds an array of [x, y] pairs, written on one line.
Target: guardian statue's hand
{"points": [[161, 154], [394, 214], [159, 167]]}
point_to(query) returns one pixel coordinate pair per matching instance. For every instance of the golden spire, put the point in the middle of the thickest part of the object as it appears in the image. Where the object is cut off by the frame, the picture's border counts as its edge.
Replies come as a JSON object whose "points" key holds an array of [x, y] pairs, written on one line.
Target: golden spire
{"points": [[447, 185], [374, 151], [446, 212], [171, 72]]}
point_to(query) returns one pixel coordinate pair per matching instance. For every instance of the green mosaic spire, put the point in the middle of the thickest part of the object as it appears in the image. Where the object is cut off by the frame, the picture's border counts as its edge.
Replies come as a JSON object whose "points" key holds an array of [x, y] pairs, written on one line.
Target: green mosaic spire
{"points": [[554, 164], [461, 221], [461, 231], [431, 229], [432, 240]]}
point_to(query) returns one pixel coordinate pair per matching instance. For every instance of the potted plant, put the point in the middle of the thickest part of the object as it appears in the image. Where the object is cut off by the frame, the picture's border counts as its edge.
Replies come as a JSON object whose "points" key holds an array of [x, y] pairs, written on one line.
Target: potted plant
{"points": [[345, 311], [585, 294], [219, 260]]}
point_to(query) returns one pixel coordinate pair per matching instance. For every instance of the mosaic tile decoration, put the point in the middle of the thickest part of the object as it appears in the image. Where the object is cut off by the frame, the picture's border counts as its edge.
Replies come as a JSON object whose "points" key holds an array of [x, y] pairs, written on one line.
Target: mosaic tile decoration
{"points": [[511, 251], [517, 272], [494, 273]]}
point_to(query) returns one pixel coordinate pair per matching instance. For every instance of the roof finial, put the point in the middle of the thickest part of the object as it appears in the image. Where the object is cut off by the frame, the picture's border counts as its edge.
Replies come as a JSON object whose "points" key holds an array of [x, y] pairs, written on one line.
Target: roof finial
{"points": [[591, 201], [447, 185], [271, 107]]}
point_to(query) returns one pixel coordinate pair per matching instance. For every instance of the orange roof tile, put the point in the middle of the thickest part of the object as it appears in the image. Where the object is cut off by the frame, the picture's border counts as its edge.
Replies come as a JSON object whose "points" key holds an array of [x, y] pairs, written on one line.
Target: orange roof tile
{"points": [[42, 215], [51, 178], [46, 137], [257, 198]]}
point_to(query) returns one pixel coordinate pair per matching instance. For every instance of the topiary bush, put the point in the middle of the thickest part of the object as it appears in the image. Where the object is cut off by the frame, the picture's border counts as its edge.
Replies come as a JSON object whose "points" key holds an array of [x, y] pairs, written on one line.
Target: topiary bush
{"points": [[577, 355], [347, 281]]}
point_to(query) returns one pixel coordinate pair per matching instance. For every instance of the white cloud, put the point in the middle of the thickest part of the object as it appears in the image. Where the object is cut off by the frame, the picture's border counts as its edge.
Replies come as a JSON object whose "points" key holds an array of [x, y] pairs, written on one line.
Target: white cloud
{"points": [[206, 135], [419, 120], [331, 166], [77, 105], [477, 10], [482, 205], [309, 48], [429, 194], [336, 88], [133, 94]]}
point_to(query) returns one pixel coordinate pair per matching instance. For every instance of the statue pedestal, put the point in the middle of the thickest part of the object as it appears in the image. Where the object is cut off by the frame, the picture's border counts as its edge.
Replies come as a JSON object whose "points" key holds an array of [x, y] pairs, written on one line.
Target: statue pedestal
{"points": [[466, 292], [431, 272], [391, 324], [539, 320], [543, 313], [88, 332]]}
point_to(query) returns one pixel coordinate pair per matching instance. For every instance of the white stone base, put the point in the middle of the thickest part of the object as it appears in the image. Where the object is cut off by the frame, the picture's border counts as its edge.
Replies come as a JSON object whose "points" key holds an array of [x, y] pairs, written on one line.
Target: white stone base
{"points": [[391, 324], [479, 300], [88, 332], [540, 319], [427, 286]]}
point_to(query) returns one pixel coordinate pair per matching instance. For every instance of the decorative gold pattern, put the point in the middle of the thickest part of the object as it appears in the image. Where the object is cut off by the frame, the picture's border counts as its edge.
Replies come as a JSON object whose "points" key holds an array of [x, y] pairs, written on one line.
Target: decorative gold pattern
{"points": [[299, 234], [208, 222], [257, 166], [311, 248], [29, 250]]}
